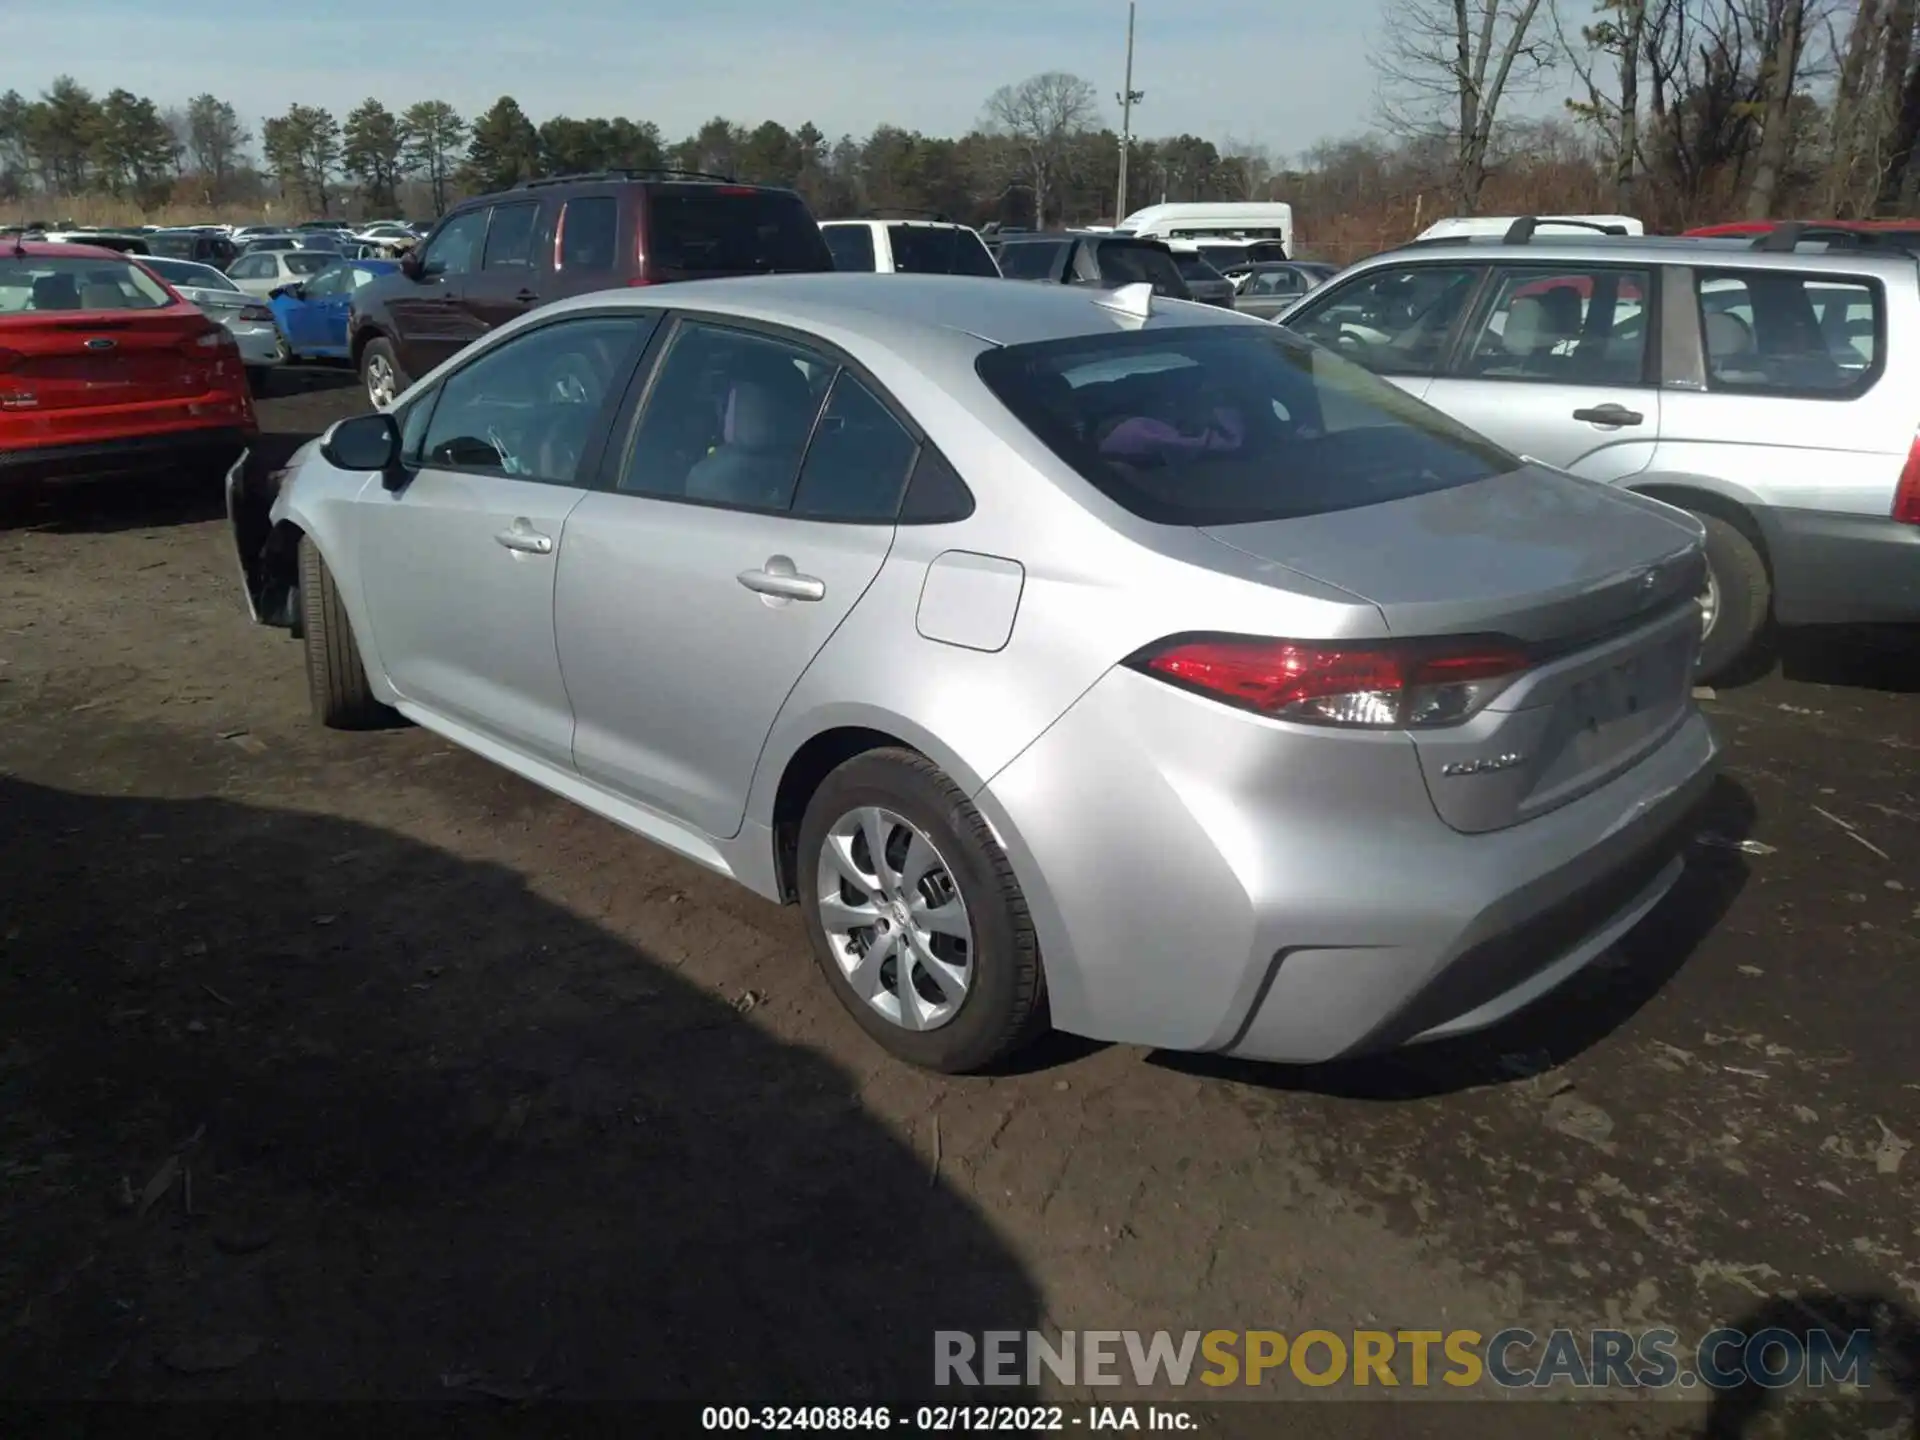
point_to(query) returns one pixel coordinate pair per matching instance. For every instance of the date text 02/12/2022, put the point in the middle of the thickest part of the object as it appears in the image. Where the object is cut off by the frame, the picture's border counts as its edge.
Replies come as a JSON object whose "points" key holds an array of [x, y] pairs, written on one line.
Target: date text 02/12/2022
{"points": [[945, 1419]]}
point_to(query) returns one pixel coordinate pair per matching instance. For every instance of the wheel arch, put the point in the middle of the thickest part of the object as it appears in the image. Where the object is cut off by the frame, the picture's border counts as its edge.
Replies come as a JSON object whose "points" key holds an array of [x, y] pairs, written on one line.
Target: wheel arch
{"points": [[1737, 506]]}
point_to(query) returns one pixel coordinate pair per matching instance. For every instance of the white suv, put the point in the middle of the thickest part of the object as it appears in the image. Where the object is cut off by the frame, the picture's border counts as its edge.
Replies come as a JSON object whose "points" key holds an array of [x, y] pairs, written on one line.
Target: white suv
{"points": [[908, 247]]}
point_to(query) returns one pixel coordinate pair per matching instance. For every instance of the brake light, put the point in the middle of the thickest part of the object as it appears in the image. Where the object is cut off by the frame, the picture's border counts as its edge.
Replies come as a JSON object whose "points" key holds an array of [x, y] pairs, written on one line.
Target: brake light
{"points": [[734, 190], [1906, 496], [211, 340], [259, 314], [1384, 686]]}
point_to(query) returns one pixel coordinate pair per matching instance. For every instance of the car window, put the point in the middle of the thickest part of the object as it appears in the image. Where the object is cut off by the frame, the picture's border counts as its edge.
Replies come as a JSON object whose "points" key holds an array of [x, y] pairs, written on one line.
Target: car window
{"points": [[1030, 260], [1220, 425], [587, 233], [1775, 332], [333, 281], [40, 282], [939, 250], [1192, 267], [1573, 326], [1122, 264], [309, 262], [182, 272], [363, 276], [247, 267], [858, 462], [1223, 257], [527, 408], [1276, 282], [730, 230], [727, 420], [1394, 321], [510, 236], [455, 250], [850, 245]]}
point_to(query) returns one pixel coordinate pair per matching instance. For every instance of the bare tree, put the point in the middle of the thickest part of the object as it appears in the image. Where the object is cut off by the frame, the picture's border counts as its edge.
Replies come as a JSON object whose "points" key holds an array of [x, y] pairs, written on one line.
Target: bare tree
{"points": [[1778, 73], [1445, 67], [1041, 116], [1618, 35], [1253, 164]]}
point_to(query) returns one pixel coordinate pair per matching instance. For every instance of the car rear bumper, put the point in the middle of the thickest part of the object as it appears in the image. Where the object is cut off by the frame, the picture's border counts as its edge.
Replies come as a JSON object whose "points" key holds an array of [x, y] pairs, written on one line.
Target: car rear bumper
{"points": [[1835, 569], [214, 448], [260, 344], [1202, 879]]}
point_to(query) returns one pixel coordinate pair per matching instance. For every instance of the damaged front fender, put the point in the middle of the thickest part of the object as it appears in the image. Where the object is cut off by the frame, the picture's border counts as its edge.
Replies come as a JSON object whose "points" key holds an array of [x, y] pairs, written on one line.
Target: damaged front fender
{"points": [[267, 552]]}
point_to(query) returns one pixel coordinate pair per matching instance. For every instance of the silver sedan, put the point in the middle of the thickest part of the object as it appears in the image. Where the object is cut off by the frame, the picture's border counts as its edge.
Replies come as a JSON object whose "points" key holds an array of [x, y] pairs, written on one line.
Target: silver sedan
{"points": [[1069, 656], [247, 317]]}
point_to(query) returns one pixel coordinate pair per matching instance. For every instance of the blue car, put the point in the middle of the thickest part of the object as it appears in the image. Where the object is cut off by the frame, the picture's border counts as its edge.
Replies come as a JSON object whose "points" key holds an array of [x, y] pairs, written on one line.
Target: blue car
{"points": [[313, 314]]}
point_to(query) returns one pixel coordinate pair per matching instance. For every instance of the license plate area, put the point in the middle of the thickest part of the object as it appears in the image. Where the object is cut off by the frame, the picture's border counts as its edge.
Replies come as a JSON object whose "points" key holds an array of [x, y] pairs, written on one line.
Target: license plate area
{"points": [[1608, 711]]}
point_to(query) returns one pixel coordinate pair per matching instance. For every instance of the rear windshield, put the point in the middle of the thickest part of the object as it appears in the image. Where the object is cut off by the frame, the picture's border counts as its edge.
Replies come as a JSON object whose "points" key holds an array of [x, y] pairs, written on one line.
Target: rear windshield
{"points": [[731, 230], [1125, 264], [939, 250], [310, 262], [1192, 267], [180, 247], [185, 272], [1225, 425], [1223, 257], [1030, 259], [39, 282]]}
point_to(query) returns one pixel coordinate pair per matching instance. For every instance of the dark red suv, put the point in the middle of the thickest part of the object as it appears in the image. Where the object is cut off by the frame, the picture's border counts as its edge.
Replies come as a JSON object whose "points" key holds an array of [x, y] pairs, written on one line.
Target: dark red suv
{"points": [[496, 257]]}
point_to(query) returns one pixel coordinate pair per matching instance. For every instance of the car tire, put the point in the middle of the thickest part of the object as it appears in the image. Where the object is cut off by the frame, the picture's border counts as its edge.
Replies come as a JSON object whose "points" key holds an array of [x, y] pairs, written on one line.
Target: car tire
{"points": [[1742, 595], [379, 368], [1004, 1006], [336, 679]]}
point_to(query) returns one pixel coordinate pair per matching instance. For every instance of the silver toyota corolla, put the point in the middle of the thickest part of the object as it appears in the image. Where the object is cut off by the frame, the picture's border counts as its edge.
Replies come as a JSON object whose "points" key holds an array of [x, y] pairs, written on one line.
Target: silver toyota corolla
{"points": [[1069, 656]]}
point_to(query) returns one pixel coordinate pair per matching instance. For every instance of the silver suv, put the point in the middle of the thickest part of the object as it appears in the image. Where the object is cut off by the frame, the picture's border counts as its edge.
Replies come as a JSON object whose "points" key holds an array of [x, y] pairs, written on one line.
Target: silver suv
{"points": [[1772, 391]]}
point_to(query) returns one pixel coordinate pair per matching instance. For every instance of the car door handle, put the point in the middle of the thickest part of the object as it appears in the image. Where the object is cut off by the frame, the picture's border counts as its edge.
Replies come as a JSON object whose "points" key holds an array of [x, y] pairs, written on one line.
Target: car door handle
{"points": [[1609, 415], [526, 297], [779, 579], [525, 540]]}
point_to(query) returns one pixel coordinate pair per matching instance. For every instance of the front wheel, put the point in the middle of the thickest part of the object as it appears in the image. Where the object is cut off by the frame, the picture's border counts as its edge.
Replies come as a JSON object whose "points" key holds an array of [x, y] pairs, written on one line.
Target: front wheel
{"points": [[915, 916], [336, 679], [380, 372], [1736, 601]]}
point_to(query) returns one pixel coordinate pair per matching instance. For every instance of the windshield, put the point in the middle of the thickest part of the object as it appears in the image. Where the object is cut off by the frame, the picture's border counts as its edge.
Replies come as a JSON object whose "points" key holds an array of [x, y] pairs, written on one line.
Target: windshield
{"points": [[34, 283], [185, 272], [1225, 425], [940, 250], [730, 230]]}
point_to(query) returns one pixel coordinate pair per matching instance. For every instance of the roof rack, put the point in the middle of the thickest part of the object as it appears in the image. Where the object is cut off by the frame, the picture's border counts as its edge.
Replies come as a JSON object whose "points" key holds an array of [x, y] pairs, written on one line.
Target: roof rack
{"points": [[1521, 231], [906, 212], [1788, 236], [657, 172]]}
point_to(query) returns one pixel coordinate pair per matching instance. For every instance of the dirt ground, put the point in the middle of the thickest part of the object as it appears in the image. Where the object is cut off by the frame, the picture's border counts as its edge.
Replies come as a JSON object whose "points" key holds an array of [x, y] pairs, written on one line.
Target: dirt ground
{"points": [[344, 1066]]}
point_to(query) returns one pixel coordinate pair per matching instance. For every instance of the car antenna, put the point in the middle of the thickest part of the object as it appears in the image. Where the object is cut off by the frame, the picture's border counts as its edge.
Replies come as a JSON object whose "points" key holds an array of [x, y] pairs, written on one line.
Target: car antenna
{"points": [[1132, 303]]}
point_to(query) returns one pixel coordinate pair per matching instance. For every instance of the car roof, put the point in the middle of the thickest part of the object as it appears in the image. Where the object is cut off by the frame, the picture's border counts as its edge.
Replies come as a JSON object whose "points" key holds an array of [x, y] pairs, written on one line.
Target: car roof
{"points": [[1647, 250], [59, 250], [909, 312]]}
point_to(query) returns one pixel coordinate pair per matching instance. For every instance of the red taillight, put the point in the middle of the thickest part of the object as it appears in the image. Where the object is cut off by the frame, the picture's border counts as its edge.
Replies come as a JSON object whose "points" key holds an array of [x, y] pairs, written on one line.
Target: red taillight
{"points": [[1376, 686], [1906, 497], [257, 314], [210, 341], [638, 280], [735, 190]]}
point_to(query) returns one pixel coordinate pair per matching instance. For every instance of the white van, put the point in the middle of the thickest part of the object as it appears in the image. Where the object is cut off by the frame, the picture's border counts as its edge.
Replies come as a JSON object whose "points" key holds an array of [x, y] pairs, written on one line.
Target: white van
{"points": [[1494, 225], [1215, 220]]}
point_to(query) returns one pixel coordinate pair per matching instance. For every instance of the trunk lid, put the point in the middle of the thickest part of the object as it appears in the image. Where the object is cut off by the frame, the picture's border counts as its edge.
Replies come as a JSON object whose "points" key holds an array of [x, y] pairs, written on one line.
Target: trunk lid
{"points": [[1597, 583], [65, 359]]}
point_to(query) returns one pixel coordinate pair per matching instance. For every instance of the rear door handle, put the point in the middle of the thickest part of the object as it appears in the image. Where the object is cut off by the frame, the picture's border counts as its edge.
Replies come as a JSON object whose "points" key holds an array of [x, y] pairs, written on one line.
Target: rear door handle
{"points": [[526, 297], [523, 538], [1609, 415], [778, 579]]}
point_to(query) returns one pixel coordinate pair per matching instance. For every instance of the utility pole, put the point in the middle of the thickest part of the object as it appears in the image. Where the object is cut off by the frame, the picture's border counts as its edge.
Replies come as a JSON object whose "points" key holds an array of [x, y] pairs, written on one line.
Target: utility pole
{"points": [[1128, 98]]}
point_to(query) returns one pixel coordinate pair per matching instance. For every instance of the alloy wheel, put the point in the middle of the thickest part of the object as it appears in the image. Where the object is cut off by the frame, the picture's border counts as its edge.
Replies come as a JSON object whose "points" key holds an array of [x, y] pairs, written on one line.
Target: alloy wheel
{"points": [[382, 386], [894, 918]]}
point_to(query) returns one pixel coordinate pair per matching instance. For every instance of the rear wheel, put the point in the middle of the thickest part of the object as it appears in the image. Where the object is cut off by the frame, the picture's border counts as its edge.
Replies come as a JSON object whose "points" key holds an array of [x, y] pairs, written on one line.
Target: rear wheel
{"points": [[915, 916], [1736, 601], [381, 373], [336, 680]]}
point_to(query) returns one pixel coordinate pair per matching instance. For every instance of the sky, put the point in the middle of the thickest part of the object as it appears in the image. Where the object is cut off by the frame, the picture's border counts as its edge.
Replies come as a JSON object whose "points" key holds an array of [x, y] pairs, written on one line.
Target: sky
{"points": [[1281, 73]]}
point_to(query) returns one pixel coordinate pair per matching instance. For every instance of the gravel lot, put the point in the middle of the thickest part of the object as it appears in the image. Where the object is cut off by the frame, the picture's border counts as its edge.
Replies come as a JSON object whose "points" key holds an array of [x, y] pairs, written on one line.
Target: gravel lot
{"points": [[421, 1082]]}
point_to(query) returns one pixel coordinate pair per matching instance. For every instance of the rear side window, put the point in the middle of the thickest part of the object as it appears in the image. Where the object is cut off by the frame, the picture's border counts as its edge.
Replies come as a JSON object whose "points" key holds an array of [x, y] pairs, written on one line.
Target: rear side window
{"points": [[588, 227], [858, 462], [1774, 332], [939, 250], [851, 245], [1579, 326], [510, 236], [1222, 425], [730, 230], [1032, 260], [40, 283]]}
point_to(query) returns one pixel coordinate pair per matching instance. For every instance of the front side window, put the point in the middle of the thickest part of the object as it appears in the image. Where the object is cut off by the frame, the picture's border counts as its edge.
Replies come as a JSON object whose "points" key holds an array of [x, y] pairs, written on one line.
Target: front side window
{"points": [[36, 282], [527, 408], [1394, 321], [727, 420], [1222, 425], [1778, 332], [510, 236], [858, 462], [850, 245], [333, 281], [587, 229], [456, 249], [1580, 326]]}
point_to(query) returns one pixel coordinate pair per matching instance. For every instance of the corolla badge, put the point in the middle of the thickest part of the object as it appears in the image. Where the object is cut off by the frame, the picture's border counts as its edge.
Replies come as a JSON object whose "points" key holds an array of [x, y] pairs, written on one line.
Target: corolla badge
{"points": [[1504, 761]]}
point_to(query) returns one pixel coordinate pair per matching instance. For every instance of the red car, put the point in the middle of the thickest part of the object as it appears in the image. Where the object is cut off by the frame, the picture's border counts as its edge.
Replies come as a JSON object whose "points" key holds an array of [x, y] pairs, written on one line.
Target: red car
{"points": [[1905, 233], [105, 370]]}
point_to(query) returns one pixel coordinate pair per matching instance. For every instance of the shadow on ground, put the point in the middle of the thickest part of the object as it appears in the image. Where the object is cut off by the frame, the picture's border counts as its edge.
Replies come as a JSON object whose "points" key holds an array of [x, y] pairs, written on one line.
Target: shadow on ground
{"points": [[1580, 1014], [294, 1107], [1889, 1402], [1864, 658]]}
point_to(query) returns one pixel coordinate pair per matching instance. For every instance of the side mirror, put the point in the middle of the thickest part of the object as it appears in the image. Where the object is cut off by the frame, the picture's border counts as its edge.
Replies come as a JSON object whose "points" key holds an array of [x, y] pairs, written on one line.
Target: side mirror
{"points": [[411, 267], [365, 443]]}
